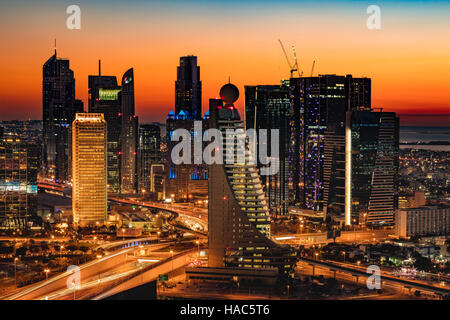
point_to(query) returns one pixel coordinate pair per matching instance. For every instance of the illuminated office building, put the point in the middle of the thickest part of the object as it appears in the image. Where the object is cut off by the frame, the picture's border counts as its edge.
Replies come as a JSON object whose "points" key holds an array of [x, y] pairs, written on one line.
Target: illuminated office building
{"points": [[89, 198], [268, 107], [239, 221], [18, 182]]}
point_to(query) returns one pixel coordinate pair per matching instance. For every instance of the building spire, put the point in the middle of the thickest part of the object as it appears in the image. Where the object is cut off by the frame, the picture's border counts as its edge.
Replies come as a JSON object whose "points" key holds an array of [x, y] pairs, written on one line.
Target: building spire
{"points": [[55, 46]]}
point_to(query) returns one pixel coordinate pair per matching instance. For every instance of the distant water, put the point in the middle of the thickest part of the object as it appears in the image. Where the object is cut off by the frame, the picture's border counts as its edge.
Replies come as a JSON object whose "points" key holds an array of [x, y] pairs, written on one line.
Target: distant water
{"points": [[425, 134]]}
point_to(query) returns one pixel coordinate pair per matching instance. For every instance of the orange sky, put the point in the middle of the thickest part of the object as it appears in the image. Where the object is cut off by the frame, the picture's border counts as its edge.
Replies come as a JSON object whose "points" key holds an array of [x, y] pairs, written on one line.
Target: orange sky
{"points": [[408, 59]]}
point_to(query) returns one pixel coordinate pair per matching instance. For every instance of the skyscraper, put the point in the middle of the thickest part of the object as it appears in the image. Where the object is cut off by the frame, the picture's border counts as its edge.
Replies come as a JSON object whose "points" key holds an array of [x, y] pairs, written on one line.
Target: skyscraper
{"points": [[89, 198], [18, 182], [187, 181], [188, 88], [375, 161], [105, 97], [318, 110], [149, 154], [268, 107], [129, 136], [58, 112], [239, 222]]}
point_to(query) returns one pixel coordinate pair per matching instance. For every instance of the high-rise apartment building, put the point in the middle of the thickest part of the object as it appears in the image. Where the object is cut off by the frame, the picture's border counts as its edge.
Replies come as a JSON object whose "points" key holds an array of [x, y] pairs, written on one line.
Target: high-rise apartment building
{"points": [[239, 221], [89, 190], [188, 88], [18, 182], [267, 107]]}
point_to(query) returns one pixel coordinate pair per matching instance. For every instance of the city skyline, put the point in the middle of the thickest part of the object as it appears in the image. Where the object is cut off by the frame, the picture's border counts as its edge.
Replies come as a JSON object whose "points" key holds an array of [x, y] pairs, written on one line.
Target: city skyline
{"points": [[406, 59], [233, 150]]}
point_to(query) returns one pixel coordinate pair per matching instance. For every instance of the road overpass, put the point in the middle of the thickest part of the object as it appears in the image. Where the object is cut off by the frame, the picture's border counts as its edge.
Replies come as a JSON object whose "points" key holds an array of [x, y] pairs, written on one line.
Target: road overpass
{"points": [[358, 273], [87, 270]]}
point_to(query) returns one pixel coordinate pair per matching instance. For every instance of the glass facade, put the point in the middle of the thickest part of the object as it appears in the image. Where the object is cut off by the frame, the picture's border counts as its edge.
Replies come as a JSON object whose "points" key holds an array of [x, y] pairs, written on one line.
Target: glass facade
{"points": [[268, 107]]}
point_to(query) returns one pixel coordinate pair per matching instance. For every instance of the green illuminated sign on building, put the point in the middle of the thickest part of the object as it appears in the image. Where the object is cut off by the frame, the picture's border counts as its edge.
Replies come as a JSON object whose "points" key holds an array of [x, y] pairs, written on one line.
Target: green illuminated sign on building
{"points": [[108, 94]]}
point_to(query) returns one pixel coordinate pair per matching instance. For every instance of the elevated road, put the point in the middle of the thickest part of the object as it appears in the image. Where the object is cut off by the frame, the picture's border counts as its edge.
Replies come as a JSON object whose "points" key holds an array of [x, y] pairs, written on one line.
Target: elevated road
{"points": [[357, 272]]}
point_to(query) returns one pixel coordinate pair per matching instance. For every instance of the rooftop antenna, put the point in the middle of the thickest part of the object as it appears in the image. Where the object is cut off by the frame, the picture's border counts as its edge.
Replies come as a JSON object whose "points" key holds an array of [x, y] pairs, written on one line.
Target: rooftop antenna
{"points": [[99, 67], [55, 46], [229, 79], [312, 69]]}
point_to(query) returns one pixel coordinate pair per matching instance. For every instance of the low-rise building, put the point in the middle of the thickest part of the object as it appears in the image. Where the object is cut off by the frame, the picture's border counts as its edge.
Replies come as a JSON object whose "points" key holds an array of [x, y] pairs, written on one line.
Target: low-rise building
{"points": [[423, 221]]}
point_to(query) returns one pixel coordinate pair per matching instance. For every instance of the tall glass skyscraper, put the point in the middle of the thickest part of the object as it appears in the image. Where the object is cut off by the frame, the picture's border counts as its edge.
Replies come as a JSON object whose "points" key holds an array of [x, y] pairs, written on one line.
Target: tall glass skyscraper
{"points": [[268, 107], [105, 97], [188, 88], [58, 112], [375, 161], [318, 110], [129, 136], [186, 182]]}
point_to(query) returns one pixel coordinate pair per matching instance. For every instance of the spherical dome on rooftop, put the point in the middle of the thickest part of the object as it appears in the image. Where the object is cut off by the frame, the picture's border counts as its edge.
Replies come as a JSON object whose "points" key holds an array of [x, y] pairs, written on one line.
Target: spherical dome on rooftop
{"points": [[229, 93]]}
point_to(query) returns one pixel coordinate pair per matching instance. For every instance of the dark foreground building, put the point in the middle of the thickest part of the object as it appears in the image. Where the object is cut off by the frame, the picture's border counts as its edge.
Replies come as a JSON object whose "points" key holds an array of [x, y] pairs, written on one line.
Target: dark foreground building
{"points": [[318, 119], [58, 112], [188, 88]]}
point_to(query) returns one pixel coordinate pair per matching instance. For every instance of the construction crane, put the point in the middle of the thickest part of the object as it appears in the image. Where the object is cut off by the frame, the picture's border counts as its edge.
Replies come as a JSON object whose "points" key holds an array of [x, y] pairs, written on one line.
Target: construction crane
{"points": [[292, 67], [312, 69]]}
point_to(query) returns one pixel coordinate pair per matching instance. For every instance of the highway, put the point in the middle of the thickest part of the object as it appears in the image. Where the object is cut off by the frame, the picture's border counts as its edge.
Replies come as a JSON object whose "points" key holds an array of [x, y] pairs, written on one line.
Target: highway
{"points": [[95, 268], [356, 271], [308, 239]]}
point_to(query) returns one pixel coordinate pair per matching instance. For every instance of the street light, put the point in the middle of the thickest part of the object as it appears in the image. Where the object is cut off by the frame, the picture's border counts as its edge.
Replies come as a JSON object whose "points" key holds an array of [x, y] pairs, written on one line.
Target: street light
{"points": [[46, 273], [343, 252], [15, 270], [198, 247], [171, 252]]}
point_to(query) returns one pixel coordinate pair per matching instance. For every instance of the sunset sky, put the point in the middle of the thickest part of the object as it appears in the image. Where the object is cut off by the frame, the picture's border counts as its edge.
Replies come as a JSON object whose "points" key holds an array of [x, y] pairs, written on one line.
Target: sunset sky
{"points": [[408, 59]]}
